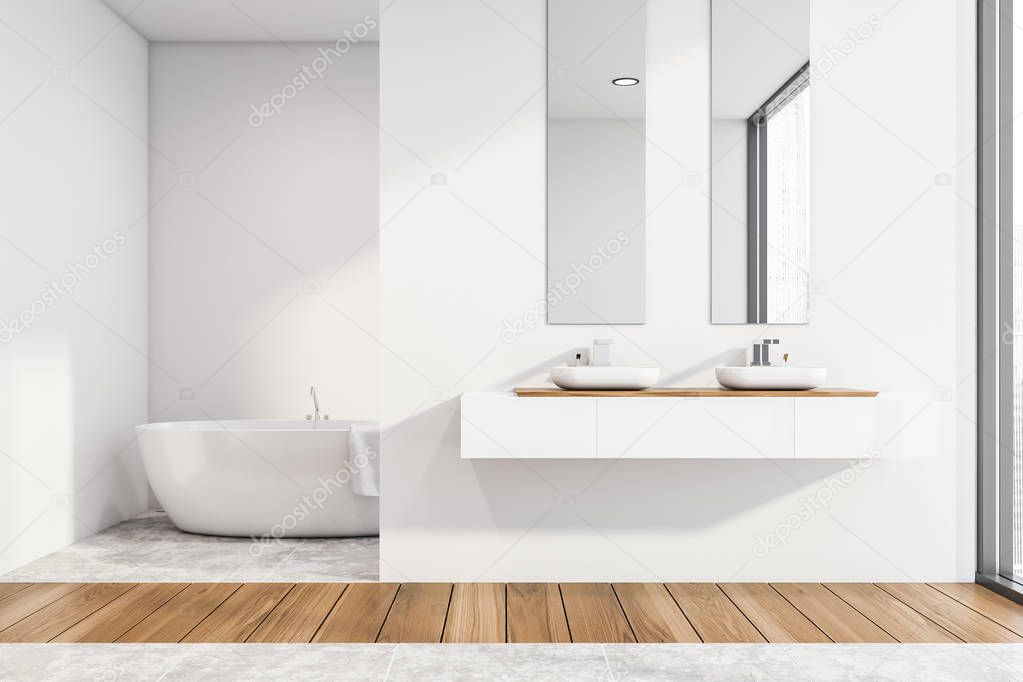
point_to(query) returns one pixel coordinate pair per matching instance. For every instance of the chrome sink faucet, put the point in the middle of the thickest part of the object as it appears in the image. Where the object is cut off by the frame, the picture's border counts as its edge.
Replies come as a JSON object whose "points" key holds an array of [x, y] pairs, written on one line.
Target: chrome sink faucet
{"points": [[315, 416], [762, 353]]}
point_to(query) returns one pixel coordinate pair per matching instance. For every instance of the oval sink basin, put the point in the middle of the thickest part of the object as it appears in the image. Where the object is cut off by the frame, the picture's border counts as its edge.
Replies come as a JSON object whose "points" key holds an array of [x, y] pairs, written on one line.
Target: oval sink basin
{"points": [[771, 378], [588, 378]]}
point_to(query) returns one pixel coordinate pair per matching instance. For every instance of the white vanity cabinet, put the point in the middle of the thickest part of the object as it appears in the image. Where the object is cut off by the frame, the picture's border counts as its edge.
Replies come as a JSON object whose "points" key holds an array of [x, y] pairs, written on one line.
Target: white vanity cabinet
{"points": [[704, 425]]}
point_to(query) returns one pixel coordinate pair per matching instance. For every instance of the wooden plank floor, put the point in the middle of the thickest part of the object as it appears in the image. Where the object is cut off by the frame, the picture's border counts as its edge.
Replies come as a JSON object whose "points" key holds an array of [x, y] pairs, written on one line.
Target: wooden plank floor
{"points": [[497, 613]]}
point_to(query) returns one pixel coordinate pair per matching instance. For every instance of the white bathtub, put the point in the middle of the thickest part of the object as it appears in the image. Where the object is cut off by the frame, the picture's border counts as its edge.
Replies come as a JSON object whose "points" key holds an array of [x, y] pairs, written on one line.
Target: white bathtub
{"points": [[264, 479]]}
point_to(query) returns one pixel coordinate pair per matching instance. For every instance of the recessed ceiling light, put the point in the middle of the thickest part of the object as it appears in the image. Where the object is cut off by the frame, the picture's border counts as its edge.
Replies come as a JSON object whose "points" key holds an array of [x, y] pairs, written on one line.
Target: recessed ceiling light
{"points": [[624, 82]]}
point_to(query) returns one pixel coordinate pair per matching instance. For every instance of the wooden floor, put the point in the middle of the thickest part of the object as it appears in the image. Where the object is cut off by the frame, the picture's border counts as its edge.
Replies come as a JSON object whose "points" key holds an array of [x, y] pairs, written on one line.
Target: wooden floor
{"points": [[488, 612]]}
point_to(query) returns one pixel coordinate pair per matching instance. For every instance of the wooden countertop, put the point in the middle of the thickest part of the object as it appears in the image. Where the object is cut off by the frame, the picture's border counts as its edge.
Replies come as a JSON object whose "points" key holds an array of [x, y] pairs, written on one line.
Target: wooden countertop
{"points": [[694, 393]]}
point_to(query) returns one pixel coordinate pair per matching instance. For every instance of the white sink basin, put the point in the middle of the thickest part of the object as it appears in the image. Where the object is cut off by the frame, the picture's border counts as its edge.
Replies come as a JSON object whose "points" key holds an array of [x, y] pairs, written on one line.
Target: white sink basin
{"points": [[779, 378], [588, 378]]}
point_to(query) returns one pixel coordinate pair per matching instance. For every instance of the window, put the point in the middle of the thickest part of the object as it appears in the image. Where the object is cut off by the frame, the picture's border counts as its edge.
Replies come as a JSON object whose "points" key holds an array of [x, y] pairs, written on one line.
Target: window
{"points": [[1000, 304], [779, 205]]}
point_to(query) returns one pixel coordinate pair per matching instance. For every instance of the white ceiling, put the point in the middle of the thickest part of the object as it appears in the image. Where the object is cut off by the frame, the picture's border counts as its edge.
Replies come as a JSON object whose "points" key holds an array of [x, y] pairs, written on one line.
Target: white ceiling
{"points": [[600, 40], [247, 20], [756, 46]]}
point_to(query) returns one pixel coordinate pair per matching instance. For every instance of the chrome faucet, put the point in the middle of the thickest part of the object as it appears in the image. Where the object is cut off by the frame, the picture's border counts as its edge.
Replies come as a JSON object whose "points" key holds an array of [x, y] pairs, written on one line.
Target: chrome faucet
{"points": [[762, 353], [315, 416]]}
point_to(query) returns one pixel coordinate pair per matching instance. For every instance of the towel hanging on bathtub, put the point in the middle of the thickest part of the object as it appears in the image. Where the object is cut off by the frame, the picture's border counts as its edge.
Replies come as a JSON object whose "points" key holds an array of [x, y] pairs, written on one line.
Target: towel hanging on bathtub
{"points": [[363, 459]]}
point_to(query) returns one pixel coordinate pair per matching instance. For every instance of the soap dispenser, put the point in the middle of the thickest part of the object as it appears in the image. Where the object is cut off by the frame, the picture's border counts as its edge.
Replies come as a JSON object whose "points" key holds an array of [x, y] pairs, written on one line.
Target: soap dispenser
{"points": [[601, 356]]}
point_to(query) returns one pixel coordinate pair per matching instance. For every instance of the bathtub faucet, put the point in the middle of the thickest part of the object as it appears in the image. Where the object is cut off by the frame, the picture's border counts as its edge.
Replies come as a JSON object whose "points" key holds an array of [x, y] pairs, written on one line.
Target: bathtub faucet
{"points": [[315, 416]]}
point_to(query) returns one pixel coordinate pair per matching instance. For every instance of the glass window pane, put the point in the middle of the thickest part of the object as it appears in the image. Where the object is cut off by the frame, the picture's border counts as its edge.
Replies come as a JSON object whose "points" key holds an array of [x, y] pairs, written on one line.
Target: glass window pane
{"points": [[788, 212]]}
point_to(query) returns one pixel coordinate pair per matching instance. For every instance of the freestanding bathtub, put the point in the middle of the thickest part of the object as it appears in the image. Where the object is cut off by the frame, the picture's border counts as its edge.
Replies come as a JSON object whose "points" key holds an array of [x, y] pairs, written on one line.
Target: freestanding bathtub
{"points": [[260, 479]]}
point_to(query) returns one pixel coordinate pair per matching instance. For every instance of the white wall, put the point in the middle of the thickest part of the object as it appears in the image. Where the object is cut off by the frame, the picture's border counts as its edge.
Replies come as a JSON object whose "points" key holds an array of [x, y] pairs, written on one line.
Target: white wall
{"points": [[73, 129], [263, 256], [894, 263]]}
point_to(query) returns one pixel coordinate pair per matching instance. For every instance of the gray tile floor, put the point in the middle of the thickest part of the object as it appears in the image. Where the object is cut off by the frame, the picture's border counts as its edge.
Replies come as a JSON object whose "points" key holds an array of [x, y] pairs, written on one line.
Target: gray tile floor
{"points": [[150, 549], [989, 663]]}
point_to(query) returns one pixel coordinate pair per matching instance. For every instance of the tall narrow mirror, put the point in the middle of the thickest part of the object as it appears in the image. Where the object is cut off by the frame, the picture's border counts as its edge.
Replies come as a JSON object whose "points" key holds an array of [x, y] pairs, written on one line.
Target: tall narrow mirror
{"points": [[596, 161], [760, 178]]}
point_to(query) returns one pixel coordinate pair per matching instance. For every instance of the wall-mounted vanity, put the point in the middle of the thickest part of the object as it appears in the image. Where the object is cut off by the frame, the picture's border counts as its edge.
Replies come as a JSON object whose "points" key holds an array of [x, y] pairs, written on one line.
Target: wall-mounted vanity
{"points": [[683, 424]]}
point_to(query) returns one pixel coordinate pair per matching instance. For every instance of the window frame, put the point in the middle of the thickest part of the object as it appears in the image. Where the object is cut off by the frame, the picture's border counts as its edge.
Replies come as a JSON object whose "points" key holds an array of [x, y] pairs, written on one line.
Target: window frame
{"points": [[995, 299]]}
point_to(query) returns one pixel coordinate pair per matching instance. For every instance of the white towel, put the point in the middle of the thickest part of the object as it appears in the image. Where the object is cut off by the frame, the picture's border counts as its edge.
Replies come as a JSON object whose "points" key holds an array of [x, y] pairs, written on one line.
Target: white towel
{"points": [[364, 459]]}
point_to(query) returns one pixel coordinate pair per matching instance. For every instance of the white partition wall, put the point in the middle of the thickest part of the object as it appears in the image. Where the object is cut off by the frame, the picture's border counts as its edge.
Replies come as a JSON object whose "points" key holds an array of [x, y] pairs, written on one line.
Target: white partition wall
{"points": [[463, 276]]}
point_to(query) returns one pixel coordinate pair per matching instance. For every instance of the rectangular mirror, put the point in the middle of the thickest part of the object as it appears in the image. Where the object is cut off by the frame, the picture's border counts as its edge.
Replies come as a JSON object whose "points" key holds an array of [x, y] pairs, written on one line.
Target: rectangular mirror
{"points": [[596, 161], [760, 177]]}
